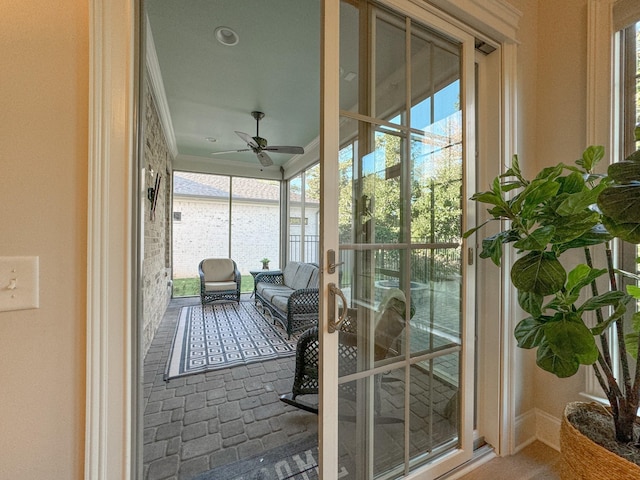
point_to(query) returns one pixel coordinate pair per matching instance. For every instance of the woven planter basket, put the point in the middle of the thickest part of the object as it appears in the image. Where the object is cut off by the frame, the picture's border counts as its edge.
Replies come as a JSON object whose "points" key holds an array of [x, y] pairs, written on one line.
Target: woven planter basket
{"points": [[583, 459]]}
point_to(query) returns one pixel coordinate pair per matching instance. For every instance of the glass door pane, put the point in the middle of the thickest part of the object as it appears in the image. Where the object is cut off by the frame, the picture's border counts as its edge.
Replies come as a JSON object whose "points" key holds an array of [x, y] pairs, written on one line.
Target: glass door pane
{"points": [[401, 166]]}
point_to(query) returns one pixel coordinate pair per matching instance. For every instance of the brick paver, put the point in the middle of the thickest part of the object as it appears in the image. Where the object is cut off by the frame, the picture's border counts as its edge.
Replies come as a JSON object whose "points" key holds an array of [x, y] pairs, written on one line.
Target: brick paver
{"points": [[195, 423]]}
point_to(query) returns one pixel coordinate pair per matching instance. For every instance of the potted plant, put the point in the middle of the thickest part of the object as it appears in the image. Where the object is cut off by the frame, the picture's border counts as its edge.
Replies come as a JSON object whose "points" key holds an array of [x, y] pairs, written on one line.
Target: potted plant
{"points": [[265, 263], [571, 316]]}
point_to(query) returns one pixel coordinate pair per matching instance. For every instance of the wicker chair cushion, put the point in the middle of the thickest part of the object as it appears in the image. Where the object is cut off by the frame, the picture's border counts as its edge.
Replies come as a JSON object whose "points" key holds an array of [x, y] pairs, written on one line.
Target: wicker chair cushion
{"points": [[218, 270], [219, 286]]}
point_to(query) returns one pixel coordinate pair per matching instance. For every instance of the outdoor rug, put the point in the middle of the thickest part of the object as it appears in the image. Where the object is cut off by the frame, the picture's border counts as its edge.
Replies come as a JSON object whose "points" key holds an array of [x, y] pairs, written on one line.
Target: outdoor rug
{"points": [[291, 461], [230, 334]]}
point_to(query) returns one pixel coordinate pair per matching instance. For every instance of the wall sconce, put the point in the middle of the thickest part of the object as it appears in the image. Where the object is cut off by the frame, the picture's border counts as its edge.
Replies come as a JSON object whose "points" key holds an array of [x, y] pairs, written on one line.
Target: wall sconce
{"points": [[152, 194]]}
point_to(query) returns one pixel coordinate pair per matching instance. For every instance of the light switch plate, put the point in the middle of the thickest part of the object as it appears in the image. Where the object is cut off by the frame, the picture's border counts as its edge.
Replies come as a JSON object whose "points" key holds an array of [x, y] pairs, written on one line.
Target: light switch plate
{"points": [[19, 283]]}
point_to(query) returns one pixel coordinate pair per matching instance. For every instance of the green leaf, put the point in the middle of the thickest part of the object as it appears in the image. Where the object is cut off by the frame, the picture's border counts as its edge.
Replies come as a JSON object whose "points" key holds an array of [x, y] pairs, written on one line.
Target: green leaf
{"points": [[537, 240], [629, 232], [621, 203], [550, 173], [581, 276], [473, 230], [508, 186], [536, 193], [577, 202], [531, 303], [574, 226], [594, 236], [529, 333], [538, 272], [625, 171], [591, 156], [617, 313], [634, 291], [631, 342], [551, 362], [488, 197], [635, 322], [492, 248], [603, 300], [572, 183], [571, 339]]}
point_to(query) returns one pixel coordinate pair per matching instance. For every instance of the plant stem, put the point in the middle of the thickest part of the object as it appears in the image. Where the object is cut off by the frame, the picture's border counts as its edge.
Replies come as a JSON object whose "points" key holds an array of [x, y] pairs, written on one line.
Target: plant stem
{"points": [[624, 362], [604, 341]]}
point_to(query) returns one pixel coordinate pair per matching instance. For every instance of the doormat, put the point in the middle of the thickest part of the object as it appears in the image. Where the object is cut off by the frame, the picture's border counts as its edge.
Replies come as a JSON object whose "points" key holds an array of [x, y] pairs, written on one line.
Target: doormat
{"points": [[228, 334], [291, 461]]}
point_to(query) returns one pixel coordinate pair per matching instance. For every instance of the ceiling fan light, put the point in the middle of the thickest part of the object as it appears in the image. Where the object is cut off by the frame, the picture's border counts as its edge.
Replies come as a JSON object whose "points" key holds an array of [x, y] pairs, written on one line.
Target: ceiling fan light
{"points": [[226, 36]]}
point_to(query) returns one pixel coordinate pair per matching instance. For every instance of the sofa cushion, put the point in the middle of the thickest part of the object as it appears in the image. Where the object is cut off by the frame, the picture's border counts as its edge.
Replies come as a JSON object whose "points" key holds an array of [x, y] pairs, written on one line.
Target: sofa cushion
{"points": [[268, 291], [280, 302], [289, 273], [302, 277], [314, 281]]}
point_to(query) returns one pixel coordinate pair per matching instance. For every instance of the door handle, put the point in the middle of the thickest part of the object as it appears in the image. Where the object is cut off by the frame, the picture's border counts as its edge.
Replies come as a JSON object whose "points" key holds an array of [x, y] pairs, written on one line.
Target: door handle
{"points": [[333, 291], [331, 261]]}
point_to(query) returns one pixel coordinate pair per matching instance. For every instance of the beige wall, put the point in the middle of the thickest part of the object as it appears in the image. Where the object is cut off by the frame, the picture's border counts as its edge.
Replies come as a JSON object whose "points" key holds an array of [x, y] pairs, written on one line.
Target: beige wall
{"points": [[552, 98], [43, 202], [561, 133]]}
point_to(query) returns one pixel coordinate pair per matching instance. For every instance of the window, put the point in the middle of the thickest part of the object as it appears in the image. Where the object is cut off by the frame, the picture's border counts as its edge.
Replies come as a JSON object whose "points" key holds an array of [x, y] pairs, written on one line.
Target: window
{"points": [[233, 217], [629, 117], [304, 203], [624, 32]]}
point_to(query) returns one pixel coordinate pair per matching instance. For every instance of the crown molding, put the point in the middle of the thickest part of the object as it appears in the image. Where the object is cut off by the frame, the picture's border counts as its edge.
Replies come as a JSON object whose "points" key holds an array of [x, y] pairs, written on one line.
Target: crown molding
{"points": [[157, 90], [497, 18]]}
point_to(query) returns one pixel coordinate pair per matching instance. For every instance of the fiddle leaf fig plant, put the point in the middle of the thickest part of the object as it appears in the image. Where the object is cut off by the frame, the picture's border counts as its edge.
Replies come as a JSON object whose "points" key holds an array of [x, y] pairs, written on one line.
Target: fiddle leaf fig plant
{"points": [[568, 208]]}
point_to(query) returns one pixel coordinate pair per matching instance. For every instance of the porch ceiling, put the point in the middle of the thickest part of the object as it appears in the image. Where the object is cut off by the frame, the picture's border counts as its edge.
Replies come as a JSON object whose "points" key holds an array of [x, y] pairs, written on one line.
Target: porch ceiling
{"points": [[212, 88]]}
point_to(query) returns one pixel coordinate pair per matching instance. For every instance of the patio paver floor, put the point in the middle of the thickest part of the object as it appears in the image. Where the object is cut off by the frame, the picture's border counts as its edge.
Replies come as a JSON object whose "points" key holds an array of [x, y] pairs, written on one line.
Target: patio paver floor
{"points": [[195, 423]]}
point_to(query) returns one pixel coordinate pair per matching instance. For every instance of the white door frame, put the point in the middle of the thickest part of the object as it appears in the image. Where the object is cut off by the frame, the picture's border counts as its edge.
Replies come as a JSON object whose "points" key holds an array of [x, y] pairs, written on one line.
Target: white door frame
{"points": [[111, 397]]}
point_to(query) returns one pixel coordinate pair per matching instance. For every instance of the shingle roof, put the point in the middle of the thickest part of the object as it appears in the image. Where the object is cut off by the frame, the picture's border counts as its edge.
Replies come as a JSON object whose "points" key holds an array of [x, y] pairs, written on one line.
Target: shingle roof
{"points": [[204, 185]]}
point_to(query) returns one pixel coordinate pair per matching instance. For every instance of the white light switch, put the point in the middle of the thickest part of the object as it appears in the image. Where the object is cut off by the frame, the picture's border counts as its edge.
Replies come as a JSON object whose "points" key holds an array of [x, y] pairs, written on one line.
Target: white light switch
{"points": [[19, 283]]}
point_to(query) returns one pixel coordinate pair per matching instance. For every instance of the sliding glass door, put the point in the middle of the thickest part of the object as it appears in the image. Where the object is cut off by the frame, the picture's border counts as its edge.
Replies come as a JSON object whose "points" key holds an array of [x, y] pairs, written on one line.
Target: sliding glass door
{"points": [[402, 353]]}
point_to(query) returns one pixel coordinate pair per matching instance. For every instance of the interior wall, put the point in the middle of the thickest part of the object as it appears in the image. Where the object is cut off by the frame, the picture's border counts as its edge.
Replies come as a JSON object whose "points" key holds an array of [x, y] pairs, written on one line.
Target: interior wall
{"points": [[44, 60], [561, 135]]}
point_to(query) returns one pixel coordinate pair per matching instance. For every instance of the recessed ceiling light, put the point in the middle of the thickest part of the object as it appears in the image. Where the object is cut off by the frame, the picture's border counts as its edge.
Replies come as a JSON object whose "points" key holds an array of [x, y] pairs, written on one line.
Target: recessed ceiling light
{"points": [[211, 139], [226, 36]]}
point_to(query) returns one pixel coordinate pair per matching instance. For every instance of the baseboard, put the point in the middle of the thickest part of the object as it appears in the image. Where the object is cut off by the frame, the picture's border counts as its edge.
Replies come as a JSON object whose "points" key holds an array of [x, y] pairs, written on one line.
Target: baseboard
{"points": [[524, 430], [548, 429], [537, 425]]}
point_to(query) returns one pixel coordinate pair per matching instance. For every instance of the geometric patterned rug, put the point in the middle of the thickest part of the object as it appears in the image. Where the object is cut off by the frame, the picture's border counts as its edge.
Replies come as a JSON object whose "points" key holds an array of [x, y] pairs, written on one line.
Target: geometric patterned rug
{"points": [[230, 334]]}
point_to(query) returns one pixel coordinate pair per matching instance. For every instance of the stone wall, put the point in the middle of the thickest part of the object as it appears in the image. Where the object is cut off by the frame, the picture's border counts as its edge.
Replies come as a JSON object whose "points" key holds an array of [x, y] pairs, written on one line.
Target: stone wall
{"points": [[156, 290]]}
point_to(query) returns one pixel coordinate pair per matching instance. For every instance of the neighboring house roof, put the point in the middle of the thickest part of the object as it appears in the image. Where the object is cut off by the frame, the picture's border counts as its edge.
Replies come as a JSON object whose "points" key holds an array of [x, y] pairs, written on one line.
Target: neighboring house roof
{"points": [[204, 185]]}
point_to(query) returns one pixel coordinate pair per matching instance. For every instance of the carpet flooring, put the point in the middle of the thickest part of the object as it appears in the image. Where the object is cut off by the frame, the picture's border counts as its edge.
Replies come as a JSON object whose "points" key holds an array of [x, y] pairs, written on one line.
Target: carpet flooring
{"points": [[228, 334]]}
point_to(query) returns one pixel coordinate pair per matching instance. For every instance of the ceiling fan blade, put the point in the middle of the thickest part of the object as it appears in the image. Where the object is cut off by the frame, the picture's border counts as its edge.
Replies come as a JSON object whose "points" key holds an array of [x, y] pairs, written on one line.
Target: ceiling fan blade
{"points": [[232, 151], [248, 139], [265, 159], [285, 149]]}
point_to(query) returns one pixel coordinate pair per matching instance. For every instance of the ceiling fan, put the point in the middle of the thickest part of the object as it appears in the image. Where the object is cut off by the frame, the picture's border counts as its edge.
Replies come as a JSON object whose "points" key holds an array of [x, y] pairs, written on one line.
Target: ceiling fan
{"points": [[258, 145]]}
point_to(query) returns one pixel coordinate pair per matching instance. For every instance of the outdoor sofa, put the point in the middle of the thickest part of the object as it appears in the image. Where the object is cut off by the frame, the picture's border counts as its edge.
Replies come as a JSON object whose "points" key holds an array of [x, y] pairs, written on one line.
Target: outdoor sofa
{"points": [[291, 296]]}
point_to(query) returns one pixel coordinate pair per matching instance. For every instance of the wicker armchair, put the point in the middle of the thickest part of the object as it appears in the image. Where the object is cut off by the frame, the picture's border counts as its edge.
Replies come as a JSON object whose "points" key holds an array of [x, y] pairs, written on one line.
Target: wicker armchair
{"points": [[390, 323], [219, 280]]}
